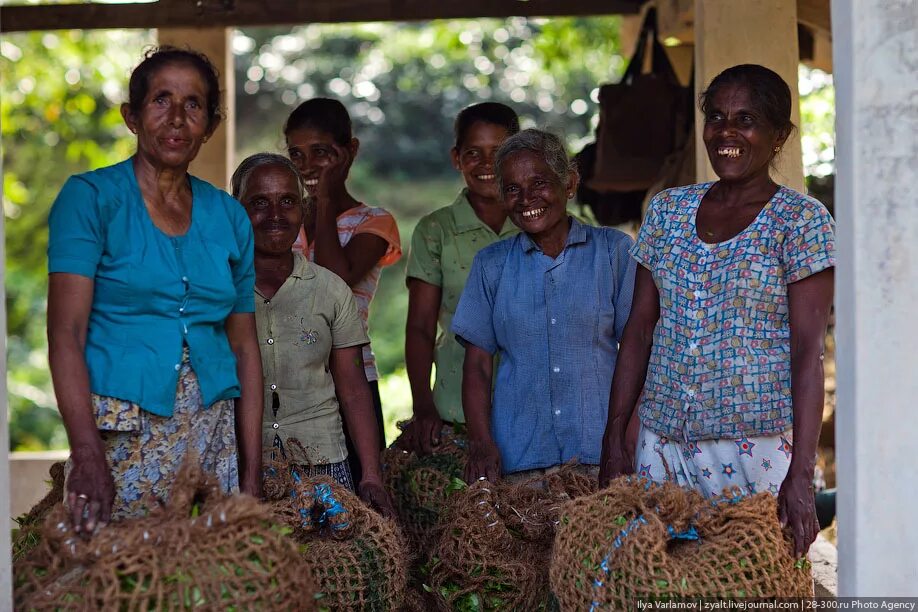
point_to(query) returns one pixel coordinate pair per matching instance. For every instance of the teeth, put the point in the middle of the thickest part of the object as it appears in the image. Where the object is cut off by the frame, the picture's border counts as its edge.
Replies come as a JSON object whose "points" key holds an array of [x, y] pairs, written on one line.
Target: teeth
{"points": [[486, 177], [732, 152], [311, 182], [534, 214]]}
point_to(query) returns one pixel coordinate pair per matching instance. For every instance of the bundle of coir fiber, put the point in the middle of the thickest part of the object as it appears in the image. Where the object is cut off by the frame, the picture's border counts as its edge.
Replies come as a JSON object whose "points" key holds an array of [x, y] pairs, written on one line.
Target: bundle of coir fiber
{"points": [[28, 534], [494, 544], [357, 557], [640, 541], [201, 550], [420, 486]]}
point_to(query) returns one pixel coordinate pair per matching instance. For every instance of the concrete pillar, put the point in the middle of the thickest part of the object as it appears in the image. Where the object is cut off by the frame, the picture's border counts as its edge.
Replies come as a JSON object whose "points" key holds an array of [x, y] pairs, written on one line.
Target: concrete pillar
{"points": [[216, 160], [876, 93], [749, 32]]}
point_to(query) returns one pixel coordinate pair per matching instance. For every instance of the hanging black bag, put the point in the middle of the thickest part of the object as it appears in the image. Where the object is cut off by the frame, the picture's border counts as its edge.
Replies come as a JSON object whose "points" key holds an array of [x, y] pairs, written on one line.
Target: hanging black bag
{"points": [[638, 116]]}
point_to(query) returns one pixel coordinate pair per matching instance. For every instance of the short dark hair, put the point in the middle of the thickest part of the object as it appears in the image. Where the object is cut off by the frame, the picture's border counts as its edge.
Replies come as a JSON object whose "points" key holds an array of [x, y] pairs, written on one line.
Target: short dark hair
{"points": [[485, 112], [165, 55], [768, 91], [326, 114], [251, 163]]}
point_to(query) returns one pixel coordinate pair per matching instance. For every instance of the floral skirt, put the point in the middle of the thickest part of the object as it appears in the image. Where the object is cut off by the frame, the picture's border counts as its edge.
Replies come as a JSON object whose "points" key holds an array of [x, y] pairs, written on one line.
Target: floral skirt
{"points": [[145, 450], [753, 464]]}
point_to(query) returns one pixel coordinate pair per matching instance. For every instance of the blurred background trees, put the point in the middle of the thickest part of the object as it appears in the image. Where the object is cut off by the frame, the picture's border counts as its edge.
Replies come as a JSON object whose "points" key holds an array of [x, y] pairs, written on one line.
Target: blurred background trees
{"points": [[403, 84]]}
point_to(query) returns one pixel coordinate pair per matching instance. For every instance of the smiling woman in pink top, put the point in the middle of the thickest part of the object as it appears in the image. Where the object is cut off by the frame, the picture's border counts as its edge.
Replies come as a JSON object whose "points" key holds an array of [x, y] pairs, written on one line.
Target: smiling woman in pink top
{"points": [[344, 235]]}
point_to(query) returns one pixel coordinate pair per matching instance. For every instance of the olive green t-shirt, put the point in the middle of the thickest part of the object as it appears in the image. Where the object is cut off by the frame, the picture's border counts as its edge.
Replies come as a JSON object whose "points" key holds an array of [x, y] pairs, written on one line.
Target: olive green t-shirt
{"points": [[442, 248], [312, 313]]}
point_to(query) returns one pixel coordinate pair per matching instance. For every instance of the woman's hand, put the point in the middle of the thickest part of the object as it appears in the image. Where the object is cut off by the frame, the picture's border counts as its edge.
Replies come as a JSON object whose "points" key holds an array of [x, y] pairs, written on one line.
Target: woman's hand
{"points": [[373, 493], [422, 434], [616, 459], [797, 509], [333, 176], [483, 461], [90, 490]]}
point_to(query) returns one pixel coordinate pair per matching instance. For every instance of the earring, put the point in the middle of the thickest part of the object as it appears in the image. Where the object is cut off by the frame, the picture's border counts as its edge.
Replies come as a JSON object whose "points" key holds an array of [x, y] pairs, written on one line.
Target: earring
{"points": [[777, 149]]}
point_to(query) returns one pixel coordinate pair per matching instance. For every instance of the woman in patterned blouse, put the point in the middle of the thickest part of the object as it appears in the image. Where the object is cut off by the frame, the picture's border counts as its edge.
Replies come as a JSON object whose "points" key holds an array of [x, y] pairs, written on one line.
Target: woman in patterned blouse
{"points": [[731, 304]]}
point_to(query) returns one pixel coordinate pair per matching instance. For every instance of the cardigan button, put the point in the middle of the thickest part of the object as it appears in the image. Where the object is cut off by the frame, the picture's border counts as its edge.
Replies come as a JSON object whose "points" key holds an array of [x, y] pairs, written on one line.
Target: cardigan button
{"points": [[270, 340], [178, 367], [276, 425]]}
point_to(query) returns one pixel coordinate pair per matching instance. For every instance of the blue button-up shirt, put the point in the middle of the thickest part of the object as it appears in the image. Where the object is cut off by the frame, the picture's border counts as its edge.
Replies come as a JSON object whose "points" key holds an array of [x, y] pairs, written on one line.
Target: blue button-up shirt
{"points": [[556, 324], [154, 293]]}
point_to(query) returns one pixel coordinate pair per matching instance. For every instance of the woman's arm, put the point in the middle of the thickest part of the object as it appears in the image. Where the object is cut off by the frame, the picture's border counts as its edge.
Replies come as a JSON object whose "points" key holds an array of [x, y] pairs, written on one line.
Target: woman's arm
{"points": [[240, 330], [628, 380], [809, 304], [90, 486], [423, 432], [346, 365], [484, 458], [354, 261]]}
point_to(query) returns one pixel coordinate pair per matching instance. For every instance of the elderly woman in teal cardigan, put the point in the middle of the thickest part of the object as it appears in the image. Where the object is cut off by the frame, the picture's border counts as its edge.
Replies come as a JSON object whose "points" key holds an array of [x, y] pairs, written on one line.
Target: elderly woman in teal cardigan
{"points": [[152, 342]]}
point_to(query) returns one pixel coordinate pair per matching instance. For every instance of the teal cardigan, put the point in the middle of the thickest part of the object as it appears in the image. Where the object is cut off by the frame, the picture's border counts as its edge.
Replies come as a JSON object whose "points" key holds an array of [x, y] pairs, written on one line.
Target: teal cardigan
{"points": [[154, 293]]}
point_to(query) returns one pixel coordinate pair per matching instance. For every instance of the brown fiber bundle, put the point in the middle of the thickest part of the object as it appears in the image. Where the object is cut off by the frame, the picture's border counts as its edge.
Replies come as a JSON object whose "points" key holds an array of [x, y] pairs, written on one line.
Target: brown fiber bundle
{"points": [[420, 486], [357, 557], [639, 541], [494, 544], [201, 550]]}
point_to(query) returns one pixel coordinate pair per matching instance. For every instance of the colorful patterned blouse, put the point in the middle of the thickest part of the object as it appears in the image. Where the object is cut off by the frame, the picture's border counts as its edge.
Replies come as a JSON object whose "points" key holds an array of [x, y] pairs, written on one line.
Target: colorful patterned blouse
{"points": [[720, 363]]}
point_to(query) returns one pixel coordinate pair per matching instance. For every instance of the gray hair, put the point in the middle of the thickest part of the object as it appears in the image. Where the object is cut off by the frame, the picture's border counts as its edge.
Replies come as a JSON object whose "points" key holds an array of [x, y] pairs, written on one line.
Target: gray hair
{"points": [[544, 144], [251, 163]]}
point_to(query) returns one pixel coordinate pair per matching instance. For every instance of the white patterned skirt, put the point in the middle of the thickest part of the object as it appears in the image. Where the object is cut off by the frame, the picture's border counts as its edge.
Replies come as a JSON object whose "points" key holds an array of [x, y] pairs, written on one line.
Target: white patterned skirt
{"points": [[753, 464]]}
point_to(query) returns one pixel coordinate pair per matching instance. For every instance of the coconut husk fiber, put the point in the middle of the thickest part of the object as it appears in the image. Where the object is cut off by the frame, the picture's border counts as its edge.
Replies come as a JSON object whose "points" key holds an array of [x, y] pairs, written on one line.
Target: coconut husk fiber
{"points": [[494, 544], [28, 534], [637, 540], [420, 486], [202, 550], [358, 558]]}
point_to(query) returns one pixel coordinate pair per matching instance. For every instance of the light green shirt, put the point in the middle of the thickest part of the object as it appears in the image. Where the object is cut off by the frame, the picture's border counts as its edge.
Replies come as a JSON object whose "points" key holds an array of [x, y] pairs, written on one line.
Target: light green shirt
{"points": [[442, 248], [312, 313]]}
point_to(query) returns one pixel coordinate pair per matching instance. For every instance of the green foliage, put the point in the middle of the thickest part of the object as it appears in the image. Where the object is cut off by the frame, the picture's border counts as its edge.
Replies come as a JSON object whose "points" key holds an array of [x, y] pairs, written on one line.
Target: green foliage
{"points": [[404, 83]]}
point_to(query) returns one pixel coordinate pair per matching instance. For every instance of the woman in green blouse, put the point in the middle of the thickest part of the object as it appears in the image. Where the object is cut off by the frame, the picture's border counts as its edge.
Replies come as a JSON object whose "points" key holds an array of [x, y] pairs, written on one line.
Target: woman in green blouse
{"points": [[442, 248]]}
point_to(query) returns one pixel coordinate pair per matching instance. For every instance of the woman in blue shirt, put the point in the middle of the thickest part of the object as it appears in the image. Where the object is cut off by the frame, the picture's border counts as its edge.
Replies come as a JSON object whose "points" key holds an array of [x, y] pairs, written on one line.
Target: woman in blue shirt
{"points": [[151, 330], [552, 301]]}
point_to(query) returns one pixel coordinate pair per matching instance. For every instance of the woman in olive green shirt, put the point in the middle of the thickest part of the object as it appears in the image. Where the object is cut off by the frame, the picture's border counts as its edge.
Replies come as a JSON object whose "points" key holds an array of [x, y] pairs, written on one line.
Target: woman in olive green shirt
{"points": [[310, 336], [442, 248]]}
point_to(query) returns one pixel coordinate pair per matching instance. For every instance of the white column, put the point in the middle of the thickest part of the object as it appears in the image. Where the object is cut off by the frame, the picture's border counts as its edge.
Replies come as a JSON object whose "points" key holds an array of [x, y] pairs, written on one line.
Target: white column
{"points": [[6, 575], [216, 159], [876, 203], [731, 32]]}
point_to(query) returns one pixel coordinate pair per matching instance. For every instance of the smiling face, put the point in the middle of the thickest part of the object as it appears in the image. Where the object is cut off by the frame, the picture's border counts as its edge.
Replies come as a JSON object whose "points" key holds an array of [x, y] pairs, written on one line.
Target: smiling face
{"points": [[474, 158], [172, 121], [272, 199], [740, 141], [535, 197], [311, 150]]}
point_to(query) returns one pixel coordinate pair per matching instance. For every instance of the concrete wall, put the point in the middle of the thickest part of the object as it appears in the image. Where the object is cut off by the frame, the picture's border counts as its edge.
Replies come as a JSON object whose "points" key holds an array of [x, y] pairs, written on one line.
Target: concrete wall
{"points": [[29, 478], [876, 92]]}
